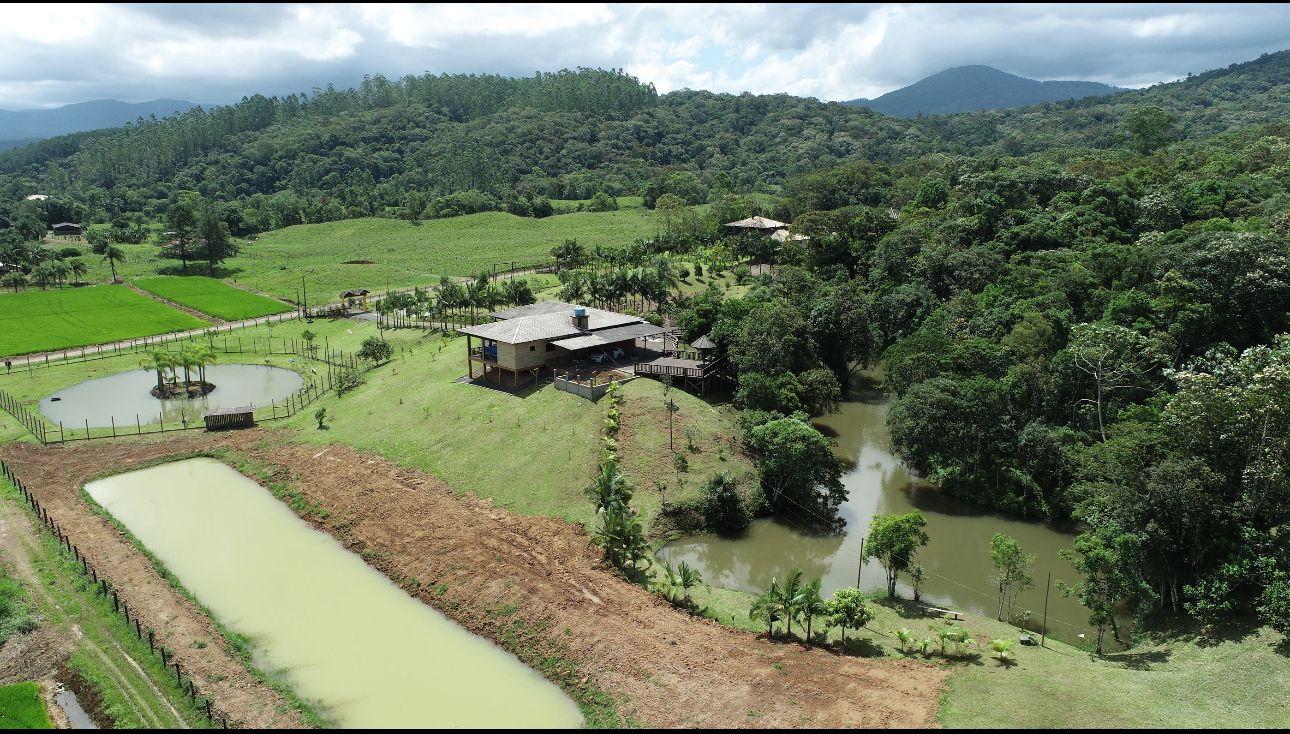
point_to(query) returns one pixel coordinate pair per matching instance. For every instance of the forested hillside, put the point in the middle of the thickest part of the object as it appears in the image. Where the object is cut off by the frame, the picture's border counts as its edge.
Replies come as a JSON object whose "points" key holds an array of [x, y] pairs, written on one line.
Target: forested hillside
{"points": [[1101, 335], [399, 147]]}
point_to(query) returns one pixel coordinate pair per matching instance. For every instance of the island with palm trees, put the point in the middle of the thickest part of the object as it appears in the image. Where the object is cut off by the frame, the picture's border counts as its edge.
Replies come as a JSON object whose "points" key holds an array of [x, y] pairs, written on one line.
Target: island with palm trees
{"points": [[191, 359]]}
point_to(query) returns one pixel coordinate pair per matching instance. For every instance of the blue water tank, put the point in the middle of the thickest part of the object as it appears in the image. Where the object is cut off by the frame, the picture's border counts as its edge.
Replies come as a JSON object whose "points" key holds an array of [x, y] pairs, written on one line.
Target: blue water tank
{"points": [[579, 311]]}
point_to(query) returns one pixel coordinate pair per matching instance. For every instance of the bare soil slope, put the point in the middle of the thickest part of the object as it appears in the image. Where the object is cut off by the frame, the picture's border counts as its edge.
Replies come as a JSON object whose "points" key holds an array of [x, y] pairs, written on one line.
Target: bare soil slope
{"points": [[534, 585]]}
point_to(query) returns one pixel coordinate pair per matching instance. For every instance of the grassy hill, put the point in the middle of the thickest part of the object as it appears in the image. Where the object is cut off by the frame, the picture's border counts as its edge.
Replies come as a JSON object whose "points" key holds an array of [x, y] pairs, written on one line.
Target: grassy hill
{"points": [[404, 254], [401, 254]]}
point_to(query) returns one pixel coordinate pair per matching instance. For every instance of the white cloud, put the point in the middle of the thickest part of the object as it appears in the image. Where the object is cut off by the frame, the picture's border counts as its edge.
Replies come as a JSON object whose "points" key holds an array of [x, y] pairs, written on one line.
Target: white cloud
{"points": [[53, 55]]}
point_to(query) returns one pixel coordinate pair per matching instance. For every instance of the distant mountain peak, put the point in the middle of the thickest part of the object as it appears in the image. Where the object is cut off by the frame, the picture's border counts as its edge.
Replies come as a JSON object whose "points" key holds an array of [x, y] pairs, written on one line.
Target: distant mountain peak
{"points": [[977, 87], [80, 116]]}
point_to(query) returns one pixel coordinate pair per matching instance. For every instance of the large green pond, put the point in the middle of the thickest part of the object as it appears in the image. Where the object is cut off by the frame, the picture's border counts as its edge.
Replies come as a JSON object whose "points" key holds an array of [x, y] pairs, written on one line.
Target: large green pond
{"points": [[959, 572], [337, 631]]}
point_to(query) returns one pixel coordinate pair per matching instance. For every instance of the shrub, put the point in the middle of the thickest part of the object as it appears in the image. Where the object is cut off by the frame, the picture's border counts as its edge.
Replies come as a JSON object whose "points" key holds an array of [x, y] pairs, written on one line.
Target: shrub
{"points": [[723, 509], [349, 379], [375, 350]]}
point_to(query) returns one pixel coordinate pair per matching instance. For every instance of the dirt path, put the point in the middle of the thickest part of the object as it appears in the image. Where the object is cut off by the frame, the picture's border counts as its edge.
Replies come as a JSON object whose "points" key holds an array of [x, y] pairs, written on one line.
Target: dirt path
{"points": [[217, 669], [470, 559], [52, 644], [177, 306]]}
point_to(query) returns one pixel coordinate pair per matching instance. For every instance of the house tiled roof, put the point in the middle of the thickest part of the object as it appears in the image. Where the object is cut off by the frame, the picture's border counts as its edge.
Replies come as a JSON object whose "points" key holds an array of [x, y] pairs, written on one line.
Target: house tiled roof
{"points": [[525, 329], [609, 336], [545, 320], [757, 223]]}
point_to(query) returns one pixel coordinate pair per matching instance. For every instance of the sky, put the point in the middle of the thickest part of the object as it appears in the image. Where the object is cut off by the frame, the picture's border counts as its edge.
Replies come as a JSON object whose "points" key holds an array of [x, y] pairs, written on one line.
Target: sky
{"points": [[54, 54]]}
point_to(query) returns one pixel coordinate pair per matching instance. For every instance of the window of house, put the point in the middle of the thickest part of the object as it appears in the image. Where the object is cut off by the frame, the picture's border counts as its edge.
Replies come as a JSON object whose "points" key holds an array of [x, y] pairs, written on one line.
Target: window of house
{"points": [[533, 348]]}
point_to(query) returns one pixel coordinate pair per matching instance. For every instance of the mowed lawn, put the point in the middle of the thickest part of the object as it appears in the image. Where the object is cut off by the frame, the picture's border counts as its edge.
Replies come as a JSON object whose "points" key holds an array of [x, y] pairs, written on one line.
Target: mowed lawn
{"points": [[211, 296], [404, 254], [38, 321]]}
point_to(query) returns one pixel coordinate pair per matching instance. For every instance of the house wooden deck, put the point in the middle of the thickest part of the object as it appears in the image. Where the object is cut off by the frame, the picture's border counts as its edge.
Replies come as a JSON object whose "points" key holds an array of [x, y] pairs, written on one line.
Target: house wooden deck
{"points": [[686, 371]]}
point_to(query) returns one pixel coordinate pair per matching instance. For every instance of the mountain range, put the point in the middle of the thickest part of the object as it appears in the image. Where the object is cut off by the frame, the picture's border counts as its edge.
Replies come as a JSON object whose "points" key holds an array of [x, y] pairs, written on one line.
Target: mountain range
{"points": [[18, 127], [971, 88]]}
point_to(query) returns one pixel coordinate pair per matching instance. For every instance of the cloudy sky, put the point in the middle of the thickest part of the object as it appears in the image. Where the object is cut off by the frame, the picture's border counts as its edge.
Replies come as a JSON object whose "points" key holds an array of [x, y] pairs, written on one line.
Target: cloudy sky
{"points": [[53, 54]]}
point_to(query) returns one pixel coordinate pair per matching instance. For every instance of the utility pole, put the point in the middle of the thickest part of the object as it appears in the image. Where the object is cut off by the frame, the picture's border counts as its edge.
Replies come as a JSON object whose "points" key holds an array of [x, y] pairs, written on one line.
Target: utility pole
{"points": [[860, 566], [1043, 636]]}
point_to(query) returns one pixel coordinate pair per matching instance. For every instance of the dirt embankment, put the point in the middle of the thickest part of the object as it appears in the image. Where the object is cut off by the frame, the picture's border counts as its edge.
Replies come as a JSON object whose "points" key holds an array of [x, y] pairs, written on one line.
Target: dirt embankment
{"points": [[533, 584]]}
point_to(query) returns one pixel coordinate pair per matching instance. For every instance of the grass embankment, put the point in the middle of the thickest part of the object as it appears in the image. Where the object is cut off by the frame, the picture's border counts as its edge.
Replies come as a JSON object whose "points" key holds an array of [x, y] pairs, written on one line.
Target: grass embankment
{"points": [[21, 707], [703, 434], [1168, 683], [38, 321], [534, 452], [401, 254], [212, 297], [133, 688]]}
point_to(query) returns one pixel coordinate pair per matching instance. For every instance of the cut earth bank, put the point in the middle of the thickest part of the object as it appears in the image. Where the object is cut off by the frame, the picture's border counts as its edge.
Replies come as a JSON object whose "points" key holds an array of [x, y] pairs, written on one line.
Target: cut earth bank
{"points": [[534, 585]]}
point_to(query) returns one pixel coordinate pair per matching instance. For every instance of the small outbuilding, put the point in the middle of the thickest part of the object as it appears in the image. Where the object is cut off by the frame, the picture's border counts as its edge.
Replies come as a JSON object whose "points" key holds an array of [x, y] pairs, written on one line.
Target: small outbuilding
{"points": [[354, 298], [755, 225], [219, 420], [67, 229]]}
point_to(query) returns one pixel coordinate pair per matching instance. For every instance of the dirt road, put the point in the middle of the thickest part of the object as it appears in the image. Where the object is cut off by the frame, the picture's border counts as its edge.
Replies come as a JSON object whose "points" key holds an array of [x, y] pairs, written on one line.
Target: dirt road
{"points": [[470, 559]]}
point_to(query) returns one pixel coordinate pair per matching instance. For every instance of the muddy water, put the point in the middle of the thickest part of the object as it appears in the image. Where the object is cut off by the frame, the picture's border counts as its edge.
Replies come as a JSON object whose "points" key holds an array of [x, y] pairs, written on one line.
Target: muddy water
{"points": [[76, 714], [338, 632], [959, 573], [125, 397]]}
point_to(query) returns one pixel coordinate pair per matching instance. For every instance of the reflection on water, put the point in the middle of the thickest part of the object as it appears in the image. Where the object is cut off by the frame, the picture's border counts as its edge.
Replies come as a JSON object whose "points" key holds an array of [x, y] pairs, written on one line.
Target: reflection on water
{"points": [[336, 630], [125, 397], [959, 572], [77, 717]]}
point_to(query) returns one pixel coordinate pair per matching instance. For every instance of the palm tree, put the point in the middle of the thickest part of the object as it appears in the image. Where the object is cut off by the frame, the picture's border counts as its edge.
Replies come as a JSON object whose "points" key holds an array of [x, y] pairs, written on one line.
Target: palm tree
{"points": [[187, 359], [205, 355], [811, 605], [689, 577], [905, 636], [78, 268], [15, 280], [44, 274], [158, 360], [61, 271], [794, 589], [113, 255], [769, 606]]}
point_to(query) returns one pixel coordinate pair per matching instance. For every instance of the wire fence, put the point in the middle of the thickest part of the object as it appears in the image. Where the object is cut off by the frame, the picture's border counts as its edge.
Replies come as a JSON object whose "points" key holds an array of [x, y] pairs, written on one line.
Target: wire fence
{"points": [[120, 603], [142, 344], [317, 384]]}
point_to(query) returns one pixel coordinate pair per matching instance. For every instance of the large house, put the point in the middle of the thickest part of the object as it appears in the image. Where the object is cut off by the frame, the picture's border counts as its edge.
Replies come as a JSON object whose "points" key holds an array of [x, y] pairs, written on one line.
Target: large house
{"points": [[522, 342]]}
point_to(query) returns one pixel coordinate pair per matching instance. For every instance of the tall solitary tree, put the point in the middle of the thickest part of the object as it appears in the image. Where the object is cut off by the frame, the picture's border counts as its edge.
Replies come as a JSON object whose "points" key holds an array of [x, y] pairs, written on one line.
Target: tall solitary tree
{"points": [[1012, 568], [113, 255], [894, 540]]}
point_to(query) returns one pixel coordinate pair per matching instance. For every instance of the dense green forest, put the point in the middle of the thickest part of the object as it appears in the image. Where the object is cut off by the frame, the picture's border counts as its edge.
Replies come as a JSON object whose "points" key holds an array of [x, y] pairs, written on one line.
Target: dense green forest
{"points": [[1097, 335], [406, 147], [1081, 308]]}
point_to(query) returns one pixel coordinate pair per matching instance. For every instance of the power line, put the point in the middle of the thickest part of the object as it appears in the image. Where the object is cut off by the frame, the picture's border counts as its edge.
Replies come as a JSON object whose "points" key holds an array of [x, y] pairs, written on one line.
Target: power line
{"points": [[986, 594]]}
